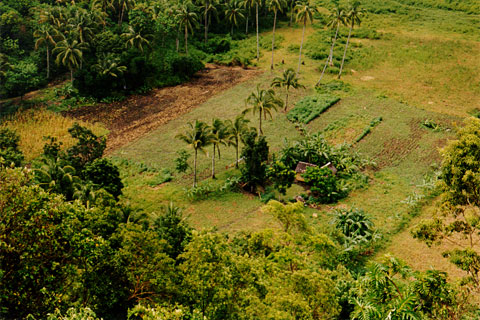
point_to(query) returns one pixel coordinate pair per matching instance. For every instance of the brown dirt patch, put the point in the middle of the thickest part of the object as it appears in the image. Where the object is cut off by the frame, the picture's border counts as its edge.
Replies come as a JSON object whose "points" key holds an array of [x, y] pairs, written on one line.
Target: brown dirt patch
{"points": [[139, 114]]}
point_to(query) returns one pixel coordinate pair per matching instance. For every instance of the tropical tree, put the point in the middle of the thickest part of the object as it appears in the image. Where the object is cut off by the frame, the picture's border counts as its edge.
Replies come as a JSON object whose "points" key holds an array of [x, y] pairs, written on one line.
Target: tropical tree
{"points": [[353, 17], [304, 13], [208, 7], [262, 102], [45, 35], [70, 54], [187, 19], [82, 25], [109, 65], [256, 23], [336, 19], [4, 65], [275, 6], [124, 5], [135, 39], [57, 176], [102, 6], [288, 80], [220, 136], [198, 136], [236, 129], [233, 13], [247, 4]]}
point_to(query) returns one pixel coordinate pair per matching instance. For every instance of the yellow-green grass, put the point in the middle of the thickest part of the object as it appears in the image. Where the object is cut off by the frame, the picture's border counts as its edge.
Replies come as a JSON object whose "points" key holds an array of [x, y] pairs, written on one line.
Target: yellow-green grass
{"points": [[31, 125]]}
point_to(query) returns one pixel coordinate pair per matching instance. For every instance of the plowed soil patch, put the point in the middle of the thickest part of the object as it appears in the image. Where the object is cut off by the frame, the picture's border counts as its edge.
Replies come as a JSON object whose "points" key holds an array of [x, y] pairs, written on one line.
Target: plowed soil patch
{"points": [[139, 114]]}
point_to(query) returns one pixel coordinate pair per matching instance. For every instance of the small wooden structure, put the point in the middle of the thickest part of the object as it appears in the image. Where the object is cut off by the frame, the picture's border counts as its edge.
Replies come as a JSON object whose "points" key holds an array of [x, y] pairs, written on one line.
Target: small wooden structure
{"points": [[302, 167]]}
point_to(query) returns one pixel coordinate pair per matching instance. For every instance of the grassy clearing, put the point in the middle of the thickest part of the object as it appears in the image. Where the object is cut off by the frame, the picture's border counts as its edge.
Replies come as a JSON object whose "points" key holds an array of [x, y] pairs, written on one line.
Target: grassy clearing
{"points": [[34, 124]]}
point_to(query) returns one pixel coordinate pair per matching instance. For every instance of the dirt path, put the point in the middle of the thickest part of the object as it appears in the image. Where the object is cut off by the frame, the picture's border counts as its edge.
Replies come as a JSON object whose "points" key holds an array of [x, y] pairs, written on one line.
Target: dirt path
{"points": [[139, 114]]}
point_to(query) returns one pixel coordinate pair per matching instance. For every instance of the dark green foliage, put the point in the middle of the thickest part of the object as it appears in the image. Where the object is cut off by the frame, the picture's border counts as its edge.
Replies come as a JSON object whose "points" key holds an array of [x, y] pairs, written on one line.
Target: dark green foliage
{"points": [[355, 225], [312, 149], [9, 152], [181, 162], [88, 148], [368, 129], [281, 176], [323, 185], [255, 156], [185, 66], [104, 174], [311, 107], [23, 78], [52, 148], [332, 86], [57, 176]]}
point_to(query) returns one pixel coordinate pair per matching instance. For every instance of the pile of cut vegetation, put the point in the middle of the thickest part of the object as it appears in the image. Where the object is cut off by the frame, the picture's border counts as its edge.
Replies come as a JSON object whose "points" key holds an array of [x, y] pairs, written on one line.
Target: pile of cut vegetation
{"points": [[311, 107]]}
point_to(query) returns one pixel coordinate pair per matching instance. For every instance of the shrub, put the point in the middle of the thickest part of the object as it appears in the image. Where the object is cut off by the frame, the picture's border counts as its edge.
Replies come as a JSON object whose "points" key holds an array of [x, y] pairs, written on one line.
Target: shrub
{"points": [[185, 66], [9, 152], [311, 107], [88, 148], [324, 186], [281, 176], [181, 162], [164, 176], [23, 78], [103, 173], [255, 156]]}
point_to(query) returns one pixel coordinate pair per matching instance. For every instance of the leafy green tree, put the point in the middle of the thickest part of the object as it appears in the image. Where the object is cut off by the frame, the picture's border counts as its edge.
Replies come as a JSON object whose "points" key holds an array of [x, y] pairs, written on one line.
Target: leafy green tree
{"points": [[262, 102], [21, 78], [124, 6], [275, 6], [45, 35], [104, 174], [187, 19], [88, 147], [336, 19], [135, 39], [109, 65], [209, 9], [9, 151], [288, 80], [255, 156], [181, 162], [219, 136], [304, 13], [103, 6], [4, 66], [324, 185], [233, 13], [82, 26], [289, 215], [198, 137], [237, 128], [353, 17], [69, 53], [281, 176], [54, 175]]}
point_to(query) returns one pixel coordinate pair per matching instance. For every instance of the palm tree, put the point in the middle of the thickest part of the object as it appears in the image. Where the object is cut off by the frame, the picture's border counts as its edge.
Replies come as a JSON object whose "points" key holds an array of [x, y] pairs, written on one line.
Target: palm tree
{"points": [[233, 13], [337, 18], [86, 193], [236, 129], [82, 25], [187, 19], [256, 22], [69, 53], [58, 177], [275, 6], [198, 137], [262, 102], [102, 6], [45, 35], [124, 5], [248, 4], [220, 136], [304, 13], [353, 16], [136, 39], [109, 65], [288, 80], [208, 6]]}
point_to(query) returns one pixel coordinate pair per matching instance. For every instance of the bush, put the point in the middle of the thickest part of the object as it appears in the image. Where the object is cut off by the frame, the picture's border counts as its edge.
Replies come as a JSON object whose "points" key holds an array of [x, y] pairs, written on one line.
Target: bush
{"points": [[311, 107], [324, 186], [181, 162], [9, 152], [23, 78], [281, 176], [88, 148], [332, 86], [104, 174], [255, 156], [185, 66]]}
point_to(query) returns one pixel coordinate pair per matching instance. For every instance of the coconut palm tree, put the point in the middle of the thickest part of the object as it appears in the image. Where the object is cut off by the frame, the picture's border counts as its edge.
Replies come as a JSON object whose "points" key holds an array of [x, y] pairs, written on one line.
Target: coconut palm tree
{"points": [[198, 136], [233, 13], [208, 7], [257, 2], [70, 54], [262, 102], [187, 19], [109, 65], [220, 136], [304, 13], [135, 39], [353, 17], [124, 5], [337, 18], [58, 177], [236, 129], [82, 25], [275, 6], [248, 5], [288, 80], [45, 35]]}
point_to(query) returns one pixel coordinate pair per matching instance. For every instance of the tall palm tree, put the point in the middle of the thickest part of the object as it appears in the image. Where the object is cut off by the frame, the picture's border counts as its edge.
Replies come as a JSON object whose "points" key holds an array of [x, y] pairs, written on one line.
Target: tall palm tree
{"points": [[288, 80], [353, 17], [208, 7], [82, 25], [45, 35], [198, 136], [257, 2], [337, 18], [124, 5], [187, 19], [102, 6], [275, 6], [233, 13], [304, 13], [220, 136], [236, 129], [109, 65], [262, 102], [70, 54], [248, 5], [135, 39]]}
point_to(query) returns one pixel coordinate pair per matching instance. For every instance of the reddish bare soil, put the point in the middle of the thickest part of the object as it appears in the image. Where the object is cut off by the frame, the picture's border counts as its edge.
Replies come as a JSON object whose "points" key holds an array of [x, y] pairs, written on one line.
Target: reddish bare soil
{"points": [[139, 114]]}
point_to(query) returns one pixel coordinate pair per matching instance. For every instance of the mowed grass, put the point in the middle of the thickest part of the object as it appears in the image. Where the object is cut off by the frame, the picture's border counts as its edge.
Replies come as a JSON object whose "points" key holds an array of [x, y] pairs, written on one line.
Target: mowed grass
{"points": [[34, 124]]}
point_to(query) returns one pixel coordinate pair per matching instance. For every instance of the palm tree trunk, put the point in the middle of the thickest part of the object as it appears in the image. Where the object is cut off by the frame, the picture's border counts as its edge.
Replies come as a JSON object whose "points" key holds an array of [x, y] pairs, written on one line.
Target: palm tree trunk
{"points": [[333, 45], [213, 163], [177, 41], [48, 63], [273, 38], [121, 14], [186, 40], [236, 152], [246, 25], [345, 52], [260, 125], [256, 17], [328, 58], [195, 169], [291, 14], [286, 101], [301, 45], [71, 75], [206, 22]]}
